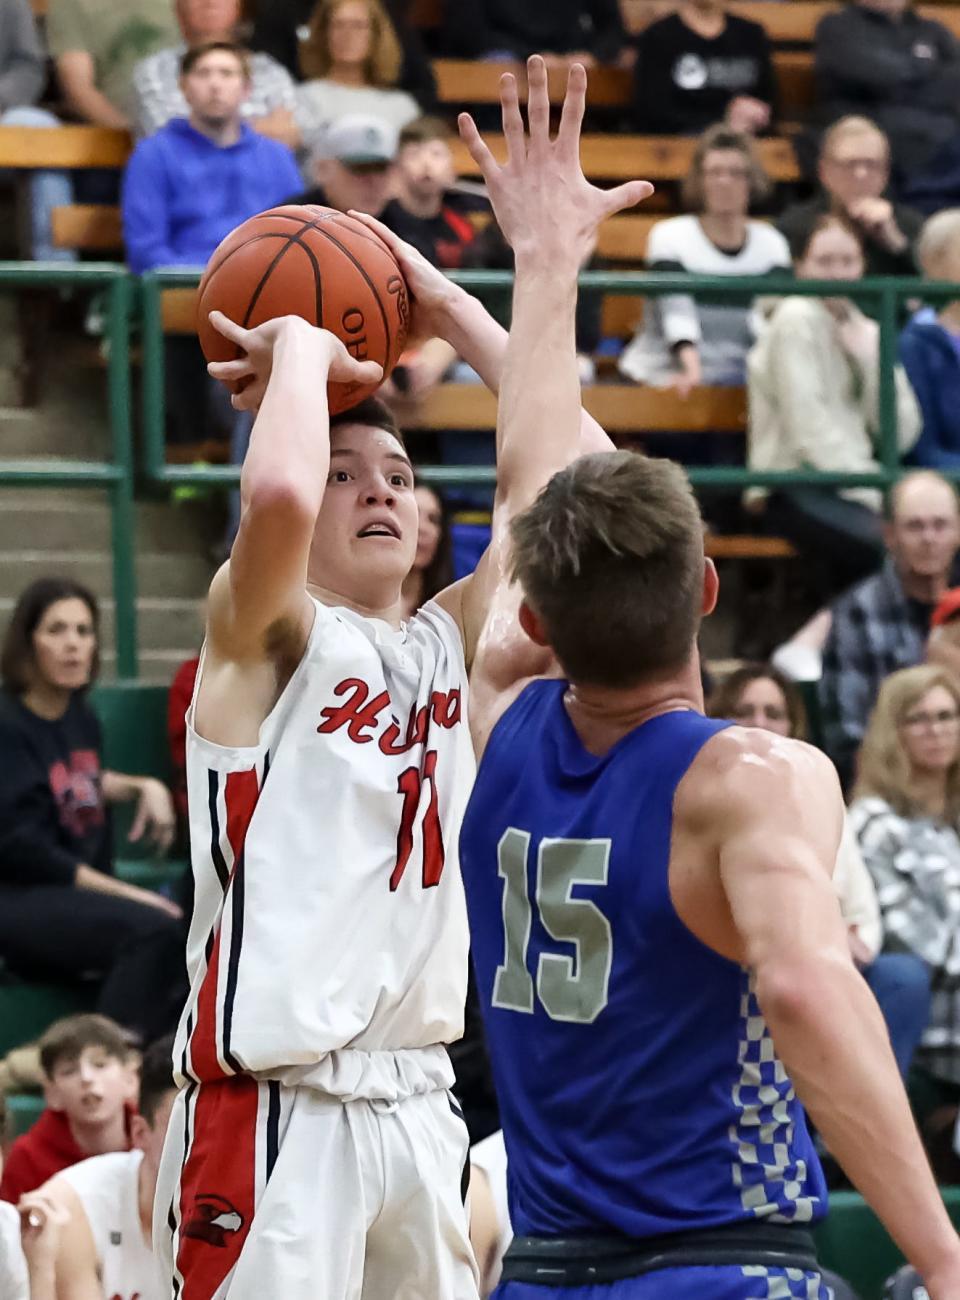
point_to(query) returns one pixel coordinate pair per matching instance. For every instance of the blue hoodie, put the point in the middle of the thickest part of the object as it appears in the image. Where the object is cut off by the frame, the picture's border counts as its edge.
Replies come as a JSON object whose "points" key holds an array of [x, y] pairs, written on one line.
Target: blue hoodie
{"points": [[932, 362], [182, 193]]}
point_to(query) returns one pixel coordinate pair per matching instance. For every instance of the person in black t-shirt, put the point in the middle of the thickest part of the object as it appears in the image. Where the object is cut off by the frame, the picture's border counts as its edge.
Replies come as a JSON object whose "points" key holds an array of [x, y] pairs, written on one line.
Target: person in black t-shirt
{"points": [[62, 911], [700, 66]]}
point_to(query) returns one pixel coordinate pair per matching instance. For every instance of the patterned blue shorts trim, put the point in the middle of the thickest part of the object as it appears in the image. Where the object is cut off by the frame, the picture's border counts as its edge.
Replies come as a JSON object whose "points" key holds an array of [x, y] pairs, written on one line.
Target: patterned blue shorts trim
{"points": [[726, 1283]]}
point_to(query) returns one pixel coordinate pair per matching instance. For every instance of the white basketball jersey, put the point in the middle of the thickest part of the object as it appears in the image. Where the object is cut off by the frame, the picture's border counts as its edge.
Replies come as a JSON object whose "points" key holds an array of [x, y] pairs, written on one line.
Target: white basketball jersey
{"points": [[108, 1191], [329, 907]]}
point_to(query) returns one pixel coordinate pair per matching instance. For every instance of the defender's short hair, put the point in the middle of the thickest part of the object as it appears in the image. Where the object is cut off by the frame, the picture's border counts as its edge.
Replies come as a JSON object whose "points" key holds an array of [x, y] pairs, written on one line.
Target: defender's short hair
{"points": [[67, 1038], [610, 557]]}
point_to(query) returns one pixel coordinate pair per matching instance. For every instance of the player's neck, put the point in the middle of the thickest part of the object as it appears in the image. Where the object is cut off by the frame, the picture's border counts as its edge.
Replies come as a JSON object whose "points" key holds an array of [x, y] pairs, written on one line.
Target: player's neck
{"points": [[390, 612], [99, 1139], [602, 715]]}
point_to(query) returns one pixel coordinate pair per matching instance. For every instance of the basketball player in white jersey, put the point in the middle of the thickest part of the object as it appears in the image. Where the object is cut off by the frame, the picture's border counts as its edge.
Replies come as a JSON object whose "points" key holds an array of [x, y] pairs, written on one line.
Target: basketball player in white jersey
{"points": [[104, 1250], [329, 763]]}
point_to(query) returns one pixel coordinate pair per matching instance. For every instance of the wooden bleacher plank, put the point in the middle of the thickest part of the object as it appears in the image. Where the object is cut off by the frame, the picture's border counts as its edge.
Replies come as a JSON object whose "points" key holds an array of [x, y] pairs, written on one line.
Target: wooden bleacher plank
{"points": [[89, 227], [796, 85], [467, 81], [620, 408], [620, 315], [178, 311], [747, 547], [63, 147], [624, 239], [656, 158], [791, 23]]}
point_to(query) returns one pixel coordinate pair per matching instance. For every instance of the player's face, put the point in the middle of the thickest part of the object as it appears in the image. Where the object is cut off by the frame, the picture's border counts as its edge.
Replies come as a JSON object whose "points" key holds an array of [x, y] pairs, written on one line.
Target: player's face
{"points": [[832, 254], [857, 167], [930, 731], [64, 644], [215, 87], [350, 33], [364, 187], [925, 533], [149, 1138], [365, 540], [762, 704], [430, 526], [92, 1089], [726, 183], [426, 170], [208, 20]]}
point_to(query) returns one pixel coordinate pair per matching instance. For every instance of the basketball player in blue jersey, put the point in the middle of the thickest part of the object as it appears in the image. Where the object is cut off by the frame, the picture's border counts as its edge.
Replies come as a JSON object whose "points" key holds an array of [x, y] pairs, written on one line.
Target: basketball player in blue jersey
{"points": [[661, 960]]}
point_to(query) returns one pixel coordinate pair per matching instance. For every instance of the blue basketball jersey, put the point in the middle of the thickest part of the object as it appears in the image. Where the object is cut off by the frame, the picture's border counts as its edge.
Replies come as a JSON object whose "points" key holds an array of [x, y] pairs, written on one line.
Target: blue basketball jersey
{"points": [[639, 1088]]}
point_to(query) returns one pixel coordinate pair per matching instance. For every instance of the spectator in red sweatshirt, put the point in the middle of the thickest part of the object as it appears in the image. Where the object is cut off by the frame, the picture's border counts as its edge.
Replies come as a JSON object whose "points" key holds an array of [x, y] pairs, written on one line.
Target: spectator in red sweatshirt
{"points": [[90, 1086]]}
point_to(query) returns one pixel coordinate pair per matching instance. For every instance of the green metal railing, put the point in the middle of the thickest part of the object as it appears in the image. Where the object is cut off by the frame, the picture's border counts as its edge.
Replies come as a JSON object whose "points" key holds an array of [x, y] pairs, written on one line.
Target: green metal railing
{"points": [[883, 298], [116, 473]]}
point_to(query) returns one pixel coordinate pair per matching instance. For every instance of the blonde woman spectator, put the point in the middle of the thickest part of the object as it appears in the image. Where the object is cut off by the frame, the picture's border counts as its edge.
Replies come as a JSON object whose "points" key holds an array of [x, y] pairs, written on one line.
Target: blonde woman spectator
{"points": [[351, 59], [906, 813], [684, 342], [814, 385]]}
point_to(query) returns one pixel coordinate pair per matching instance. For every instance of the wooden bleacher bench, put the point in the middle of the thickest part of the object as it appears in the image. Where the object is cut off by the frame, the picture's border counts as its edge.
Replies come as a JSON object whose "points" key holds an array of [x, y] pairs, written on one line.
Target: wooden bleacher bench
{"points": [[66, 147]]}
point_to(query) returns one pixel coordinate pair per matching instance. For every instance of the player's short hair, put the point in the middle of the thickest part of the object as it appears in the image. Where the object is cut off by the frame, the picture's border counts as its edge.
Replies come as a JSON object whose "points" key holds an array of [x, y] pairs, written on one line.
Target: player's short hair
{"points": [[156, 1077], [17, 655], [422, 130], [197, 52], [372, 414], [610, 557], [67, 1038], [724, 137]]}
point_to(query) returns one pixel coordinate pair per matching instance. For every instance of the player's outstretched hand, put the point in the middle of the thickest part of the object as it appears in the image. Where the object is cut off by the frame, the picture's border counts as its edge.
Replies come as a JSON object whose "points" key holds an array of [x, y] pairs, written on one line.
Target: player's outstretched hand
{"points": [[431, 293], [247, 377], [547, 210]]}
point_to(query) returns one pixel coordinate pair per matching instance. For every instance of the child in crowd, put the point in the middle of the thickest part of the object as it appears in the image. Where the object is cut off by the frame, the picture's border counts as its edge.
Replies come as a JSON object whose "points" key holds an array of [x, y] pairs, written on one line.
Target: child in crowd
{"points": [[90, 1086]]}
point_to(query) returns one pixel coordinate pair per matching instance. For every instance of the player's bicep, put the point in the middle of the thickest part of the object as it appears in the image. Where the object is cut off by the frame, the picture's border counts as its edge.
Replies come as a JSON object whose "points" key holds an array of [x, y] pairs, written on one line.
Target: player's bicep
{"points": [[76, 1267]]}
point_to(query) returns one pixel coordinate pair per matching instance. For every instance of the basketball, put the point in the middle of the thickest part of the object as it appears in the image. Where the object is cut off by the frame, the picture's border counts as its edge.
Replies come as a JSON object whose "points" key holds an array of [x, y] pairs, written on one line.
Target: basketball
{"points": [[316, 263]]}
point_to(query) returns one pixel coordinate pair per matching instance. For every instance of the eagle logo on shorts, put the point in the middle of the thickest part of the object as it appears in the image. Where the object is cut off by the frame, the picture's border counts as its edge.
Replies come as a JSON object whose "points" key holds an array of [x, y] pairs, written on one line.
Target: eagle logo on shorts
{"points": [[212, 1220]]}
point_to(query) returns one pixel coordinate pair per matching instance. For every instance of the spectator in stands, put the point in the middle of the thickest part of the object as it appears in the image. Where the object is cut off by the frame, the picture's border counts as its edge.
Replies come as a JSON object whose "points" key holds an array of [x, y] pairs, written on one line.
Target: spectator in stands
{"points": [[433, 566], [29, 1241], [814, 381], [854, 173], [906, 814], [882, 624], [428, 211], [757, 695], [881, 59], [22, 77], [61, 908], [188, 185], [105, 1246], [96, 45], [943, 643], [564, 31], [158, 96], [353, 165], [90, 1089], [930, 349], [279, 27], [683, 342], [702, 65], [351, 59]]}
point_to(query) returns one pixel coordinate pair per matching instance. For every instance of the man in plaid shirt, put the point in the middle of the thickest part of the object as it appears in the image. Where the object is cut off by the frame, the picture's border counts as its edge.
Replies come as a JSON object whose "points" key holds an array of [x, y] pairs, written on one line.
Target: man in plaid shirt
{"points": [[882, 623], [156, 79]]}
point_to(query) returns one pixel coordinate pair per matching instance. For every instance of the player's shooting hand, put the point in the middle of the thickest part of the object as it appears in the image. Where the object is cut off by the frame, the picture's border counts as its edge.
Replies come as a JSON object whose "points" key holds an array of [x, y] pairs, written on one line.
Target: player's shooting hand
{"points": [[546, 208], [432, 294], [248, 376]]}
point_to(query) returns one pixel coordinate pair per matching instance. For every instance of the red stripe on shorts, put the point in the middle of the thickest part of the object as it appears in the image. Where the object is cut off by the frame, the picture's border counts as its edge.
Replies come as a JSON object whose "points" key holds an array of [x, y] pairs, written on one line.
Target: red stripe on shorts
{"points": [[217, 1185]]}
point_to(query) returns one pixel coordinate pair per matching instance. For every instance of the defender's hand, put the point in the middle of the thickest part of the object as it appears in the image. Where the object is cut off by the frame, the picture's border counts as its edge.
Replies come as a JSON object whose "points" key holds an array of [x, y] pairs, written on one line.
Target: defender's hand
{"points": [[432, 295]]}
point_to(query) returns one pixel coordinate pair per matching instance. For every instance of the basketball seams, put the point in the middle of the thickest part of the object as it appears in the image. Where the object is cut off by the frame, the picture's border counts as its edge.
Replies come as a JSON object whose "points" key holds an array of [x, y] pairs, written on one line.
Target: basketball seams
{"points": [[387, 332]]}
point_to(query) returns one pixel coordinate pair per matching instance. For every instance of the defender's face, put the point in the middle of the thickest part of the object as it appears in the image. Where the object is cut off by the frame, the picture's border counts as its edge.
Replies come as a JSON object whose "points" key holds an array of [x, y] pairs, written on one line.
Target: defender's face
{"points": [[365, 540]]}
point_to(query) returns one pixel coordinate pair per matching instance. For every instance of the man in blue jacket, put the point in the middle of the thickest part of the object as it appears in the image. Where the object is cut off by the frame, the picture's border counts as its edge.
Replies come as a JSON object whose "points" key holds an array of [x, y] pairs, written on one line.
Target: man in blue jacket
{"points": [[188, 185]]}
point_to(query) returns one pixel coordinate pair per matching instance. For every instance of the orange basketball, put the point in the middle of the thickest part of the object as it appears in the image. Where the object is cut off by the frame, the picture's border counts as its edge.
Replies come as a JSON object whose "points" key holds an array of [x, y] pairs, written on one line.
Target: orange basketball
{"points": [[316, 263]]}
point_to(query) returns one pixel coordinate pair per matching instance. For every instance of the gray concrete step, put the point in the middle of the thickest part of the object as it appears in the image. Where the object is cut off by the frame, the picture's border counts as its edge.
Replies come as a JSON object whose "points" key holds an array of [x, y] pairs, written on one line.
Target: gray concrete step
{"points": [[184, 576], [163, 623], [82, 521]]}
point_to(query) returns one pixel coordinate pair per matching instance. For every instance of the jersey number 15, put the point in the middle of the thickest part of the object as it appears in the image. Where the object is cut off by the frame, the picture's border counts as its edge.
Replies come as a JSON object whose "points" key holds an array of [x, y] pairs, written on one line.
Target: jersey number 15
{"points": [[569, 988]]}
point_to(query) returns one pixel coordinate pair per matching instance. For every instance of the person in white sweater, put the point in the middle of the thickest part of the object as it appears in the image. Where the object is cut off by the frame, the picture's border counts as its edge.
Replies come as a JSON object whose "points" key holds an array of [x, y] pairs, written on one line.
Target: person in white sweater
{"points": [[814, 388], [683, 341], [351, 63], [759, 695]]}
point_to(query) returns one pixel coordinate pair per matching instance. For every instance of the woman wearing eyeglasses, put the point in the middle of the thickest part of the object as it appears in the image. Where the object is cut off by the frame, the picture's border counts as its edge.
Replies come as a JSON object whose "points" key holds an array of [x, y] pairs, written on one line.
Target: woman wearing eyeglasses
{"points": [[906, 814]]}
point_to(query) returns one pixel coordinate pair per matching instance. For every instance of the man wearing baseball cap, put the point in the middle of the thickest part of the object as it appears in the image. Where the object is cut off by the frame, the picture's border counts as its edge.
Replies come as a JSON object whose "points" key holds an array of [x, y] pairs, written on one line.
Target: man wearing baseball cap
{"points": [[353, 165]]}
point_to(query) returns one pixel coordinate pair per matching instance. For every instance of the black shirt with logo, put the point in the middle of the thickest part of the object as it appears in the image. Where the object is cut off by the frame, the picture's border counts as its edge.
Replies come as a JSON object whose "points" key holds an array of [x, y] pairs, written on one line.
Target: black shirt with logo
{"points": [[684, 81], [52, 811]]}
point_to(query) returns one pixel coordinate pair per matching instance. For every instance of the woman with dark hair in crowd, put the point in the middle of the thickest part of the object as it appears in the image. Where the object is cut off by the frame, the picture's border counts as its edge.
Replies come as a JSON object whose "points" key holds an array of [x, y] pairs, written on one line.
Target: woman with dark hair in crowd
{"points": [[62, 911], [759, 695], [351, 63], [433, 566], [906, 814]]}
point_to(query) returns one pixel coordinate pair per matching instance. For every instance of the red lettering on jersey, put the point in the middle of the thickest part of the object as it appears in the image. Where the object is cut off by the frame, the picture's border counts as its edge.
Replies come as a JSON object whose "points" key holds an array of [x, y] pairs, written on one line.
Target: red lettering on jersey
{"points": [[410, 785], [416, 732], [356, 715]]}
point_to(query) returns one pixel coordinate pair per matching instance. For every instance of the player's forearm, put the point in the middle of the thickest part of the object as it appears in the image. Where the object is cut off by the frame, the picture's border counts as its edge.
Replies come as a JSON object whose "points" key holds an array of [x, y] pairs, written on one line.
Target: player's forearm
{"points": [[289, 454], [830, 1034]]}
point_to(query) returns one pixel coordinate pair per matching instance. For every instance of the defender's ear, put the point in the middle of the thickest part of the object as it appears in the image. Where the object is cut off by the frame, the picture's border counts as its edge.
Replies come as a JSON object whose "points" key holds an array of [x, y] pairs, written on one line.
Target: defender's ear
{"points": [[531, 624]]}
